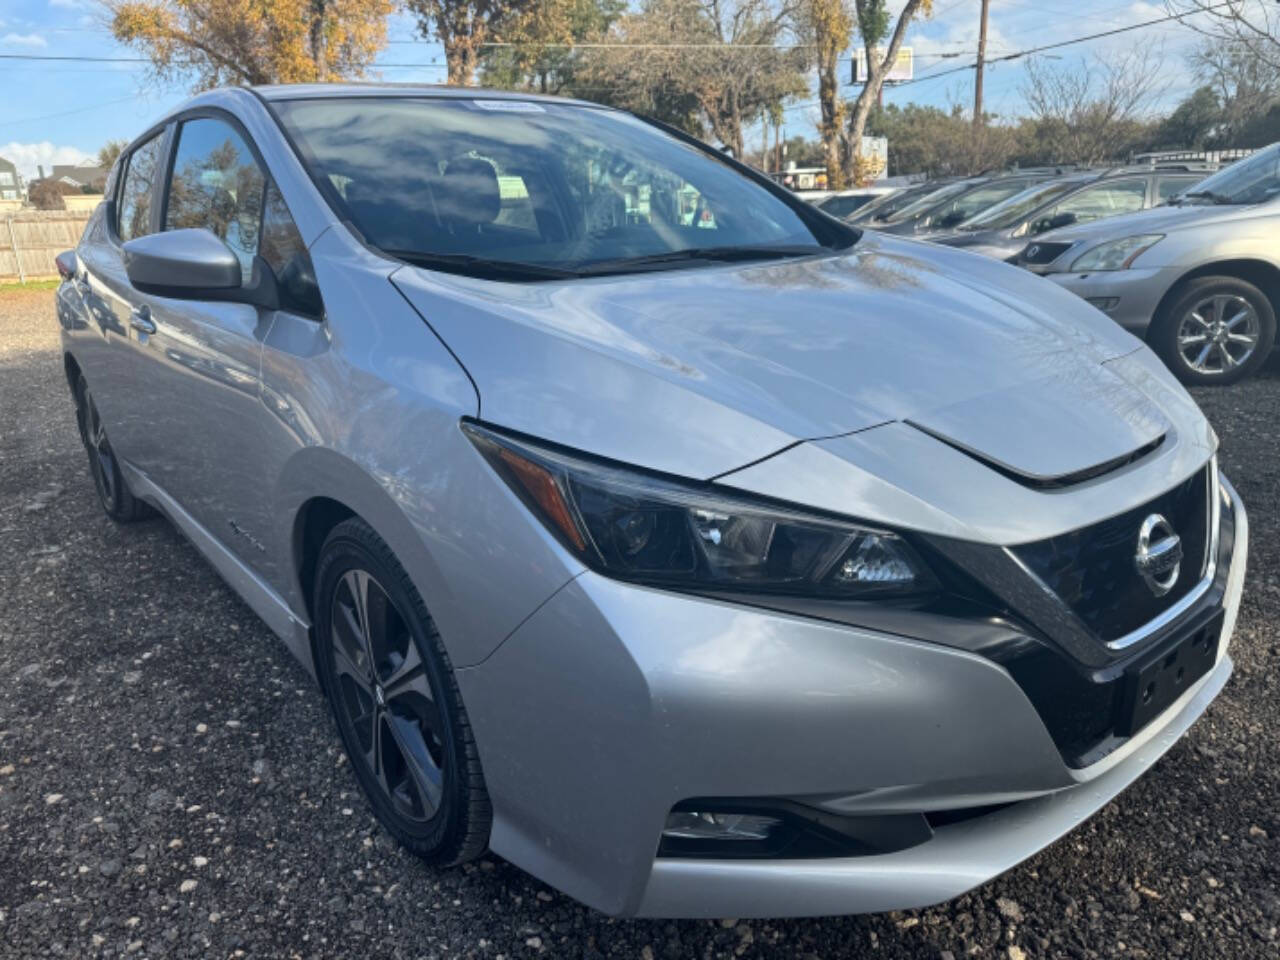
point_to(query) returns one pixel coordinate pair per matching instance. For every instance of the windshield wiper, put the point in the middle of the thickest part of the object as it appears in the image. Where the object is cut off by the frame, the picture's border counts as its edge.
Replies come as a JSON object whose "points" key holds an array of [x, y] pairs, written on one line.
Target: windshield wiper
{"points": [[485, 268], [1208, 195], [695, 254]]}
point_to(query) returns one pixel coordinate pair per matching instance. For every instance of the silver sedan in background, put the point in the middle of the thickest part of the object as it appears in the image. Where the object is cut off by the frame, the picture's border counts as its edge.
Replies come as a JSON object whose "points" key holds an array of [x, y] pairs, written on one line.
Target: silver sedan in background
{"points": [[683, 545], [1199, 279]]}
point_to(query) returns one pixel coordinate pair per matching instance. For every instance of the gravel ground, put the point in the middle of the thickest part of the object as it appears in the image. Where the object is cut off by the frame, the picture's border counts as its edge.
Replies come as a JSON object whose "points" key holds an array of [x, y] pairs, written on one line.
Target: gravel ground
{"points": [[171, 784]]}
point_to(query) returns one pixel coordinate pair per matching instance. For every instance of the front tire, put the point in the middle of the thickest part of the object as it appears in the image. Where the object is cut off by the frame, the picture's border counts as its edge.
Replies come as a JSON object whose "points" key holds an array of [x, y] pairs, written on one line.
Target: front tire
{"points": [[395, 700], [1215, 330], [113, 493]]}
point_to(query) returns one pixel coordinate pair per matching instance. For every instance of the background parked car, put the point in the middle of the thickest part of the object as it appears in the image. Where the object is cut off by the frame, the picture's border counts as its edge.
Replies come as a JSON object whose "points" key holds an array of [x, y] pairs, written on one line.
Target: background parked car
{"points": [[1002, 230], [842, 203], [1199, 278], [882, 210], [960, 201]]}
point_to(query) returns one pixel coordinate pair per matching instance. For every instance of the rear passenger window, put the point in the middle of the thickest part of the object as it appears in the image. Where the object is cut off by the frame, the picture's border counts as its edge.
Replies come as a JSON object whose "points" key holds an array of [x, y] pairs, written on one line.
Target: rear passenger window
{"points": [[1167, 188], [134, 216], [217, 185]]}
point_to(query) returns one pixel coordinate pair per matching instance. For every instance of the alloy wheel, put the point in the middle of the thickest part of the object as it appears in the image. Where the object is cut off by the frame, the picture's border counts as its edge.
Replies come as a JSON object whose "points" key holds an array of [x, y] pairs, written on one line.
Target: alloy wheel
{"points": [[385, 698], [1218, 334]]}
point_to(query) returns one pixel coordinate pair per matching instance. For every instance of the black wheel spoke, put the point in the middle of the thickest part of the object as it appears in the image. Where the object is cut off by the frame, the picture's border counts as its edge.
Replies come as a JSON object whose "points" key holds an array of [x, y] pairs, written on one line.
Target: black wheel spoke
{"points": [[425, 777], [346, 667], [407, 669]]}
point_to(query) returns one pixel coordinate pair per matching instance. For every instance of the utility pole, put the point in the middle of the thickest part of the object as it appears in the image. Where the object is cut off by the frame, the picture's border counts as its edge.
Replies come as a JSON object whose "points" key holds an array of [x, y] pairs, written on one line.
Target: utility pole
{"points": [[977, 80]]}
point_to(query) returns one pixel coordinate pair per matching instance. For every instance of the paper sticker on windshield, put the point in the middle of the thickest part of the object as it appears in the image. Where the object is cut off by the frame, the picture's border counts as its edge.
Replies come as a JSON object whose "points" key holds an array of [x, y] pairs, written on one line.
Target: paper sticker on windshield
{"points": [[509, 106]]}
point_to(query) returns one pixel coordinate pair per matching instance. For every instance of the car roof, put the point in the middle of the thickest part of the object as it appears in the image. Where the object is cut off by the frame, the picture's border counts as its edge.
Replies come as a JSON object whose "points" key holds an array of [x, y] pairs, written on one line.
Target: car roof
{"points": [[335, 91]]}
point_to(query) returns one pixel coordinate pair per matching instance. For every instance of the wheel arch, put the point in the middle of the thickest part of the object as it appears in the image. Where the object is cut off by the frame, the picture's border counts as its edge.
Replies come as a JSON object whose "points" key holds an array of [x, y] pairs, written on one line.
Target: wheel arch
{"points": [[321, 488], [1261, 273]]}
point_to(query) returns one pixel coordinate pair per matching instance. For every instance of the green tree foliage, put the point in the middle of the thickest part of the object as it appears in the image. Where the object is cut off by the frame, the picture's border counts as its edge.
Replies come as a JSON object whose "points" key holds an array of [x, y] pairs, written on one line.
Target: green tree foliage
{"points": [[1192, 122], [539, 51], [110, 152]]}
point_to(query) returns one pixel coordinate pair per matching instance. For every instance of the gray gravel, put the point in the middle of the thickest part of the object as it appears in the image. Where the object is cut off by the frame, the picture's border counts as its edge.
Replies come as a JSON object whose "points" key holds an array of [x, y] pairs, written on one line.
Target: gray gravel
{"points": [[171, 785]]}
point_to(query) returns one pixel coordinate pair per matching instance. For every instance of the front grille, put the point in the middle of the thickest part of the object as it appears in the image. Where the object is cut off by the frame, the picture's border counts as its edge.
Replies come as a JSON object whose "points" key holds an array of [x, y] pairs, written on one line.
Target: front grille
{"points": [[1093, 569], [1043, 252]]}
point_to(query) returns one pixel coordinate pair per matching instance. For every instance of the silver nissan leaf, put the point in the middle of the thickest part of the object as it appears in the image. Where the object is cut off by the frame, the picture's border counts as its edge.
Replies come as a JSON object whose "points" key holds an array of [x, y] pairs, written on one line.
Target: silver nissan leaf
{"points": [[686, 547]]}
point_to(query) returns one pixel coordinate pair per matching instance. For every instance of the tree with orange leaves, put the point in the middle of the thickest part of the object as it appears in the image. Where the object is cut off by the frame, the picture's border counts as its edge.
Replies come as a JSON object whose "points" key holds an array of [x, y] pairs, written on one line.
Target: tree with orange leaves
{"points": [[218, 42]]}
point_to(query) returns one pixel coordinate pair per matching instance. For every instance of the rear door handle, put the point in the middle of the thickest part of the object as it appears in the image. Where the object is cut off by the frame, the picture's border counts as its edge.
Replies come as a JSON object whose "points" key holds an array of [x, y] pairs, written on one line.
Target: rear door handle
{"points": [[140, 319]]}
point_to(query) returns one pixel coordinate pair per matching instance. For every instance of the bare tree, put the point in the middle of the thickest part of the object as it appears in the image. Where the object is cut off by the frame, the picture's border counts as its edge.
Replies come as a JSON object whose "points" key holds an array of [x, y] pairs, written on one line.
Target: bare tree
{"points": [[1253, 25], [1246, 85], [1095, 108], [826, 26], [700, 64], [873, 24]]}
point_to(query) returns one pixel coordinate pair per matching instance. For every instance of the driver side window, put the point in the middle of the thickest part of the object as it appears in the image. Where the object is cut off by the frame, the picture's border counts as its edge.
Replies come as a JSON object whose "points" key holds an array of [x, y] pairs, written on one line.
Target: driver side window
{"points": [[216, 184], [1104, 200]]}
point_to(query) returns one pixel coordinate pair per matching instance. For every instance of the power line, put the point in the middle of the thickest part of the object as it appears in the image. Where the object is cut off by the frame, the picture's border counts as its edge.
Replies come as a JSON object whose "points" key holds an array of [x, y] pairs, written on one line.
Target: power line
{"points": [[1034, 50], [1067, 43]]}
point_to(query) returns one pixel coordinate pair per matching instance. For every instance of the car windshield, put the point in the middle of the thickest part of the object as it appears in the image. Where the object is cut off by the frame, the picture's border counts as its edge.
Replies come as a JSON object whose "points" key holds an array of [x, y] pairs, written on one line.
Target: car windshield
{"points": [[546, 188], [1011, 211], [1254, 179], [923, 203]]}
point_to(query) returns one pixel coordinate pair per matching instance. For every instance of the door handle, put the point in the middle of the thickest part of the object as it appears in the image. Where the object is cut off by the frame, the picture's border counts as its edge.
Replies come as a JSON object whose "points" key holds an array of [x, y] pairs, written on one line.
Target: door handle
{"points": [[140, 319]]}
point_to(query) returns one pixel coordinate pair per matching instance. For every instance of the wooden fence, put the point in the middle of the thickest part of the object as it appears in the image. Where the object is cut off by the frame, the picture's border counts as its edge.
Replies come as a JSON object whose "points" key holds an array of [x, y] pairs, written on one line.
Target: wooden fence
{"points": [[30, 239]]}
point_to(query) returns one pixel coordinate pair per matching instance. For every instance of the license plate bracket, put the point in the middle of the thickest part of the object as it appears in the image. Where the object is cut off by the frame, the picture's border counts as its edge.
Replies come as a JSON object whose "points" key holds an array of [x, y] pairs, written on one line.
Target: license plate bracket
{"points": [[1156, 681]]}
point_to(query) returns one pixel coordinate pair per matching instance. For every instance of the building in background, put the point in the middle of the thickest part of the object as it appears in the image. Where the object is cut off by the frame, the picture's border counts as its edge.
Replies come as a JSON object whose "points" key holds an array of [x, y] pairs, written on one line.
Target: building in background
{"points": [[88, 179], [10, 181]]}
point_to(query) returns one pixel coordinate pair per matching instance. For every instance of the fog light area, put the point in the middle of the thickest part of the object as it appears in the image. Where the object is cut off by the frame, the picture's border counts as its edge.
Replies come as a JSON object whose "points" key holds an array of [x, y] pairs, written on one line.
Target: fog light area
{"points": [[703, 825]]}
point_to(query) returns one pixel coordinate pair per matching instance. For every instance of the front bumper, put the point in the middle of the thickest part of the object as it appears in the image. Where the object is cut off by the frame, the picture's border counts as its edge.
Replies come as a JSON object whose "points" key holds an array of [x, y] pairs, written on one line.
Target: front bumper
{"points": [[612, 703], [1130, 296]]}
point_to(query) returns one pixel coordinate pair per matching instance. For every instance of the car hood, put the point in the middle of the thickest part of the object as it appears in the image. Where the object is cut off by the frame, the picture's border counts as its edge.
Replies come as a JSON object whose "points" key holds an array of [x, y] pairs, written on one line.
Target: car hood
{"points": [[700, 371]]}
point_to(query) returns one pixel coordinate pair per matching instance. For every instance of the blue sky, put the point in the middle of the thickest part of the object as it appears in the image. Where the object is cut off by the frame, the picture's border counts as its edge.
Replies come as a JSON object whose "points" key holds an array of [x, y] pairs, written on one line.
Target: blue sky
{"points": [[62, 112]]}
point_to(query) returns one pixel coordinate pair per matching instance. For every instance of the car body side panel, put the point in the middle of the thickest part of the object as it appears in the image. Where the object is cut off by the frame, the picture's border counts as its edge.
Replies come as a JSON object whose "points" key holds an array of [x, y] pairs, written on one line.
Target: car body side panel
{"points": [[365, 409]]}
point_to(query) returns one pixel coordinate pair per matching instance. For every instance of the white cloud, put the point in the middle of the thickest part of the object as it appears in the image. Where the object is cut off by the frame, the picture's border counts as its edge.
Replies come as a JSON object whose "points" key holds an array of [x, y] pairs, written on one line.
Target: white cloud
{"points": [[28, 156], [69, 4], [23, 40]]}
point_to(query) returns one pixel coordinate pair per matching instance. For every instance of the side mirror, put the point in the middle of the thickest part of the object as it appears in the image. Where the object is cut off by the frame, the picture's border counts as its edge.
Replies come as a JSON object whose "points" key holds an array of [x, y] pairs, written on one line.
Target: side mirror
{"points": [[179, 263], [194, 264]]}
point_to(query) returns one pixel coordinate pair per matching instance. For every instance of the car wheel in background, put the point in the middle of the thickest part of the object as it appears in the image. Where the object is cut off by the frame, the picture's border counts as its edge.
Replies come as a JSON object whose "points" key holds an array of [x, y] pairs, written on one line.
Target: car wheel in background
{"points": [[113, 493], [1214, 330], [395, 700]]}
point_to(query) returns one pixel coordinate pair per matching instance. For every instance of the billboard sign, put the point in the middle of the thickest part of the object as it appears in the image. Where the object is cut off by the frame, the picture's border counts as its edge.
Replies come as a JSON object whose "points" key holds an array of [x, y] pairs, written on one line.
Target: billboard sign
{"points": [[900, 70]]}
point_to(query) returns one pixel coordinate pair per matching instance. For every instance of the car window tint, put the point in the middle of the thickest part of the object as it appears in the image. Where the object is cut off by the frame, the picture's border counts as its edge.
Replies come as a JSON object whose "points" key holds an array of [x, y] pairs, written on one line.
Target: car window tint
{"points": [[285, 253], [975, 201], [217, 185], [1105, 200], [135, 198], [1168, 187]]}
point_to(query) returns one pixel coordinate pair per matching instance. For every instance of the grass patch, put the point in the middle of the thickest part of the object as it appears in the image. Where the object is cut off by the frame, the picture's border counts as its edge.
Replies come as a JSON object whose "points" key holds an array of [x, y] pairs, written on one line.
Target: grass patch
{"points": [[30, 285]]}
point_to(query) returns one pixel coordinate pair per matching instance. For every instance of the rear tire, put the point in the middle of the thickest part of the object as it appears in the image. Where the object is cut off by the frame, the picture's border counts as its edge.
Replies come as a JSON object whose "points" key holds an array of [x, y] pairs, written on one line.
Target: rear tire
{"points": [[395, 700], [113, 493], [1214, 330]]}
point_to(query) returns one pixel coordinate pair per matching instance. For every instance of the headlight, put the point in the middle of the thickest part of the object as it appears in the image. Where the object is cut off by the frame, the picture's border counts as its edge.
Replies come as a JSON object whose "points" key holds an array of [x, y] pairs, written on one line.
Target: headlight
{"points": [[650, 529], [1116, 255]]}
